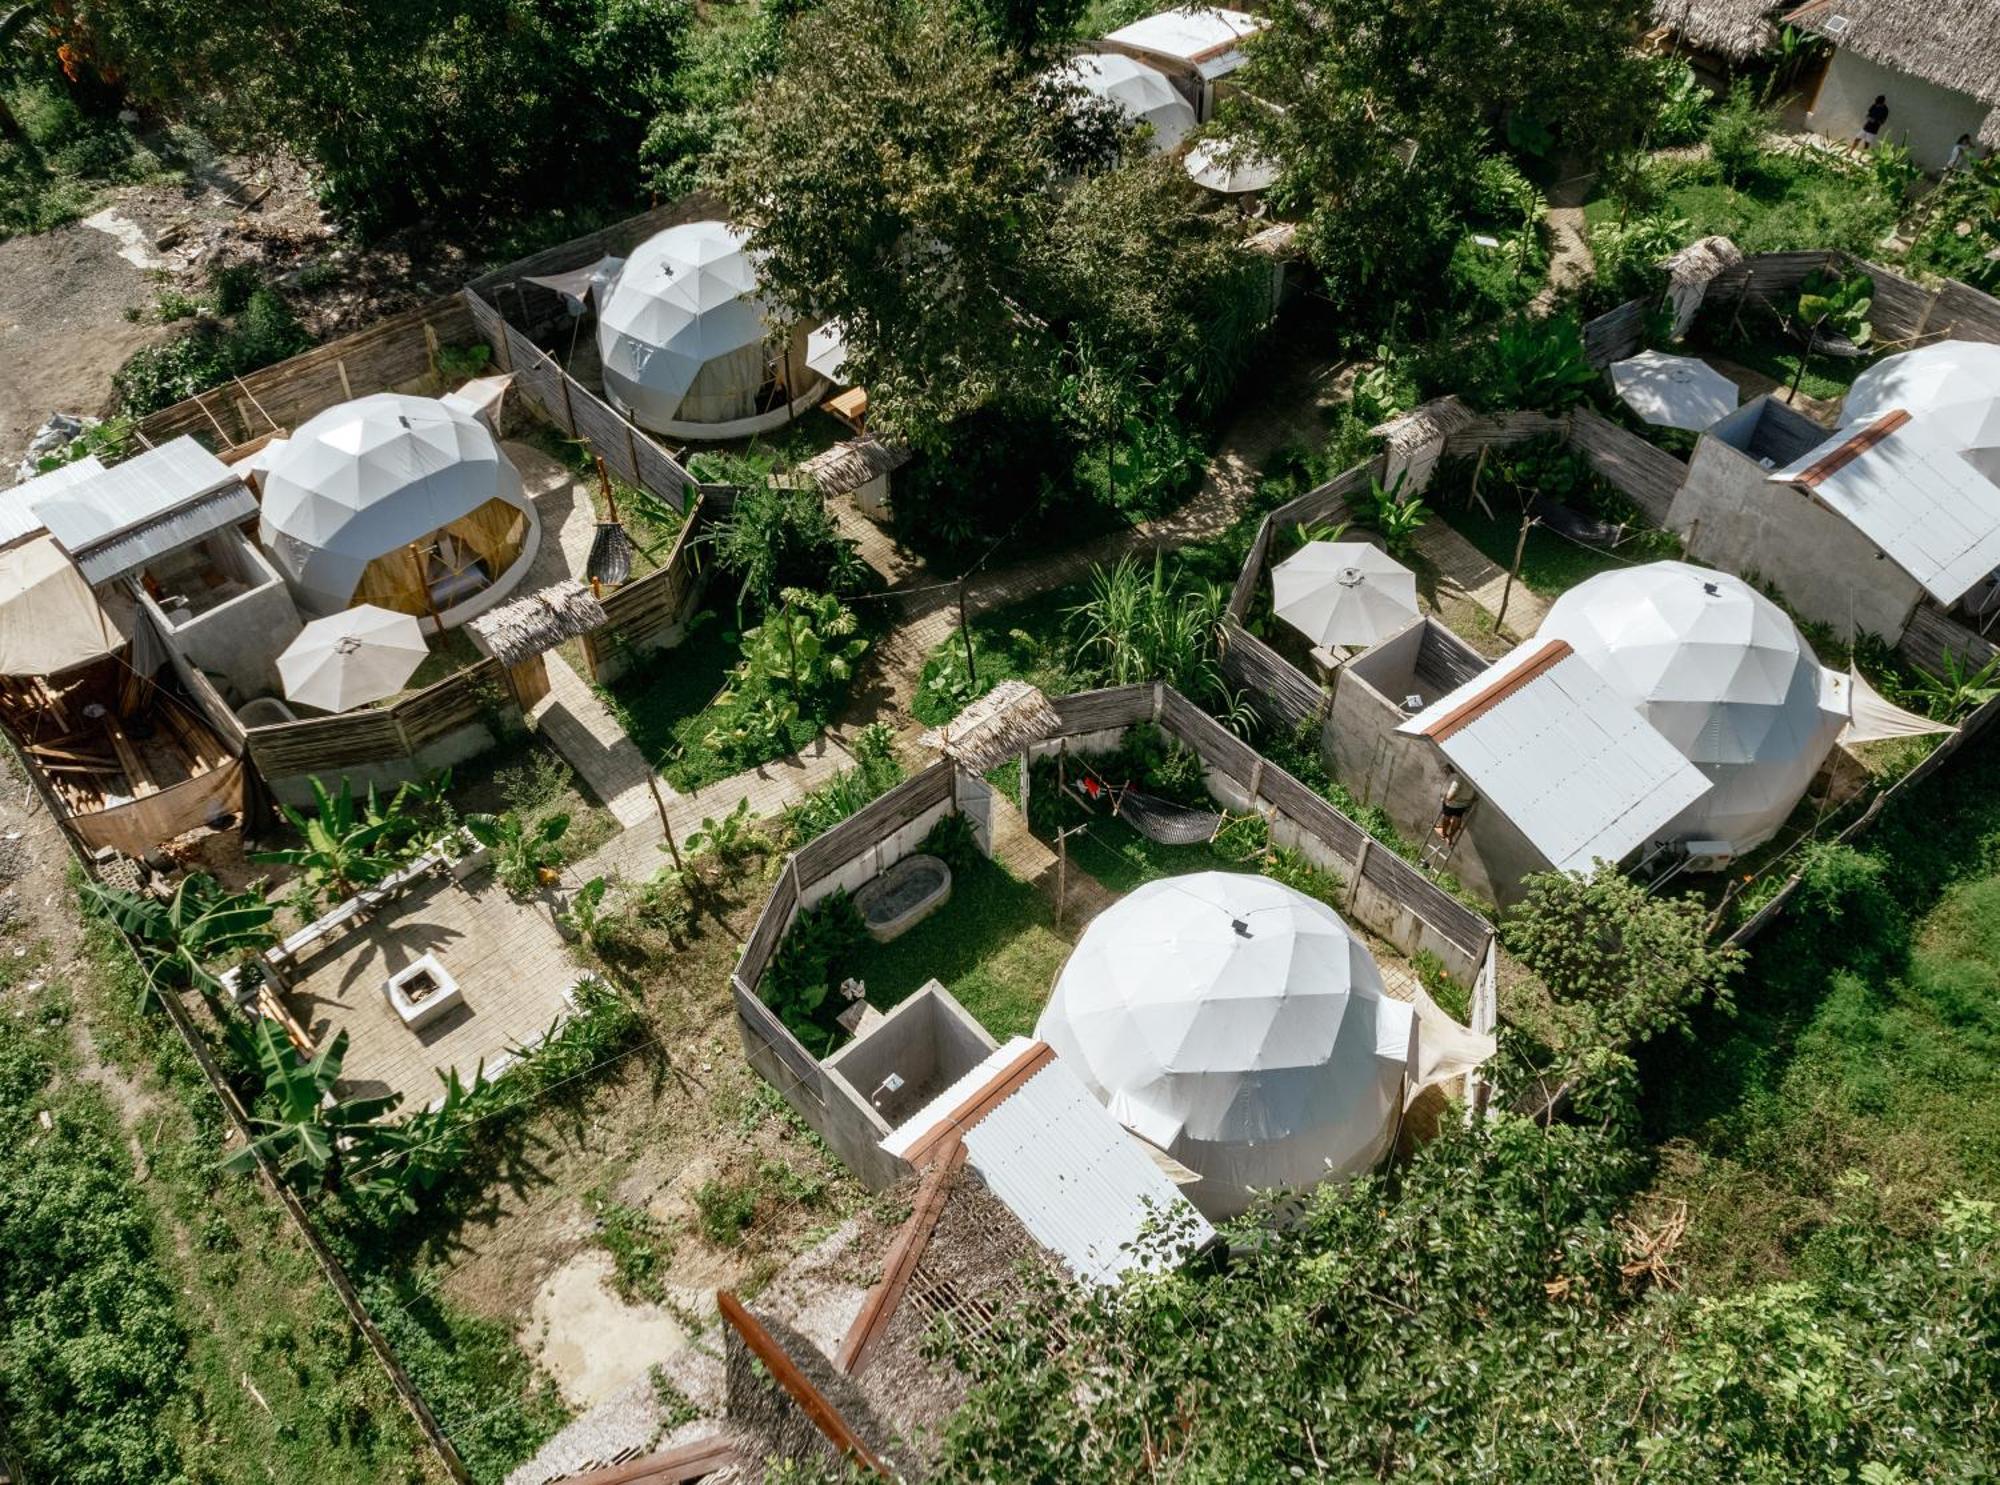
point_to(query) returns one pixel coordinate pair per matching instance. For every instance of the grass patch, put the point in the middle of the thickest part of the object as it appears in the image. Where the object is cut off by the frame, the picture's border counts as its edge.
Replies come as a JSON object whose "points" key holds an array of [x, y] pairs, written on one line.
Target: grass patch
{"points": [[1784, 204], [1765, 350], [1551, 564], [664, 704], [1023, 640], [1121, 858], [641, 1248], [994, 945]]}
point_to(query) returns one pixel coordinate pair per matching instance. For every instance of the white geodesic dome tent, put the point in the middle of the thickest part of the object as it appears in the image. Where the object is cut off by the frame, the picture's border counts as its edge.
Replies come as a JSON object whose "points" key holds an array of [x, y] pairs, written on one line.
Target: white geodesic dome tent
{"points": [[1723, 674], [1241, 1027], [1943, 374], [1143, 94], [684, 338], [404, 502]]}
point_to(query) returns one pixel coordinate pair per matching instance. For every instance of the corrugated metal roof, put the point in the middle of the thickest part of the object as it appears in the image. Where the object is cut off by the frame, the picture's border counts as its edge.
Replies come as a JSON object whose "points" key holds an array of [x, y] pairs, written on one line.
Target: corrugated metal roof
{"points": [[89, 513], [1907, 486], [17, 506], [1572, 764], [1078, 1184], [134, 549]]}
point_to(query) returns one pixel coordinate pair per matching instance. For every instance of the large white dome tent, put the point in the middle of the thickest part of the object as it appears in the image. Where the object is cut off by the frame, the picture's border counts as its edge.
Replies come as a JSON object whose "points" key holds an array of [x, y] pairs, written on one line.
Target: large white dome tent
{"points": [[1241, 1027], [1145, 95], [1723, 674], [684, 339], [404, 502]]}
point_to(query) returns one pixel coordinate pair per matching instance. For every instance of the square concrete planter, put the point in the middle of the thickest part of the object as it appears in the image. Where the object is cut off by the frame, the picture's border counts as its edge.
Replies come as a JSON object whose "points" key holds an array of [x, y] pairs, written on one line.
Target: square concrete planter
{"points": [[423, 991]]}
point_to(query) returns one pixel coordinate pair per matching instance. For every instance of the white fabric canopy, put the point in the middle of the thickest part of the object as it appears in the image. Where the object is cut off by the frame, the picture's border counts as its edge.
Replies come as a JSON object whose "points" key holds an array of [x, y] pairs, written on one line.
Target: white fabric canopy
{"points": [[1226, 167], [1722, 673], [1344, 593], [50, 620], [369, 477], [1873, 716], [1241, 1027], [686, 298], [577, 285], [350, 659], [1674, 391], [1932, 376], [1143, 94]]}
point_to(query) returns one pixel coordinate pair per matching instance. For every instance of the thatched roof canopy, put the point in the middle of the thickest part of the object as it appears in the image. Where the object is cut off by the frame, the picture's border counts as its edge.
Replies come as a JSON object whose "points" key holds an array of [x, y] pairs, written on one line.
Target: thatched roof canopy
{"points": [[1951, 44], [1002, 723], [1429, 422], [1736, 29], [530, 626], [848, 466]]}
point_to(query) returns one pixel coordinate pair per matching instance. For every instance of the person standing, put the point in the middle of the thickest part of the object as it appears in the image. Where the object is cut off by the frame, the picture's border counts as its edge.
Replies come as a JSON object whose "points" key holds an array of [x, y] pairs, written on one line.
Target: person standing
{"points": [[1871, 126], [1961, 155]]}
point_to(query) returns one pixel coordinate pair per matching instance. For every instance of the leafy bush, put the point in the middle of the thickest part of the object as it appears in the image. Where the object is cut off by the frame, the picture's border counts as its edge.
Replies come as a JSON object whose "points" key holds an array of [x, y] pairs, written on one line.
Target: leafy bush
{"points": [[1147, 626], [953, 841], [875, 772], [781, 536], [1684, 106], [1535, 363], [210, 353], [1628, 256], [809, 962], [1737, 132], [1836, 305], [724, 1208]]}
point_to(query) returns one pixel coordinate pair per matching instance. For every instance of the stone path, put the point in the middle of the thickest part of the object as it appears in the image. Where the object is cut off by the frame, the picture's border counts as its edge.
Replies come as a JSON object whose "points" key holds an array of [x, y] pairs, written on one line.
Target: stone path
{"points": [[1461, 566], [583, 730]]}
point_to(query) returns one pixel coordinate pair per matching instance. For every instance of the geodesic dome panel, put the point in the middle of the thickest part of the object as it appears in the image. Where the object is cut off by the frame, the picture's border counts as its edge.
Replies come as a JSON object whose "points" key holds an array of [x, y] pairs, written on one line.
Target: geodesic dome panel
{"points": [[358, 484], [681, 331], [1241, 1027], [1720, 671], [1943, 374], [1143, 94]]}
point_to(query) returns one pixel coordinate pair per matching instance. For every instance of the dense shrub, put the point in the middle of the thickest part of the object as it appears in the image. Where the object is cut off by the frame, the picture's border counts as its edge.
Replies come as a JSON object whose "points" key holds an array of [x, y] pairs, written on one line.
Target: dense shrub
{"points": [[264, 332]]}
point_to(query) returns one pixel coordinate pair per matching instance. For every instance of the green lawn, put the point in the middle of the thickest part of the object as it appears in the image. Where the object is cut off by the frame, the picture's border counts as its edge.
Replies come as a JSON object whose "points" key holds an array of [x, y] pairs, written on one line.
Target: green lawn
{"points": [[1551, 564], [994, 945], [1785, 205], [1021, 640], [1866, 1043], [1121, 858]]}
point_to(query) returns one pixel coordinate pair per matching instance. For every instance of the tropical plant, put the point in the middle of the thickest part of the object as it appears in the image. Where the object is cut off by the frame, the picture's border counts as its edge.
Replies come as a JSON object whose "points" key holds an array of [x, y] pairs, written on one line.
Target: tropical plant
{"points": [[422, 809], [816, 948], [403, 1158], [953, 840], [1957, 687], [525, 856], [1396, 515], [809, 646], [1628, 253], [1146, 626], [780, 536], [346, 843], [754, 729], [1895, 170], [1737, 131], [178, 940], [1538, 363], [1384, 388], [1833, 304], [875, 771], [301, 1126], [1683, 108], [728, 838], [1305, 533], [585, 915]]}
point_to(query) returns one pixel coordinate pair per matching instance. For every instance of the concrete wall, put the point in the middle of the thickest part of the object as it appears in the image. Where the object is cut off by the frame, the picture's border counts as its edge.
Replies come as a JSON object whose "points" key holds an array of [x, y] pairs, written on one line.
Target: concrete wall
{"points": [[237, 642], [1731, 516], [1925, 118], [929, 1040]]}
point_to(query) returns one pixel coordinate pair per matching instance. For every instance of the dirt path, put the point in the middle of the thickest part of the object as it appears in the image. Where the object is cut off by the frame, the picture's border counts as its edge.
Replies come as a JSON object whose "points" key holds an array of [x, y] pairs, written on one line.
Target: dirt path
{"points": [[1571, 264]]}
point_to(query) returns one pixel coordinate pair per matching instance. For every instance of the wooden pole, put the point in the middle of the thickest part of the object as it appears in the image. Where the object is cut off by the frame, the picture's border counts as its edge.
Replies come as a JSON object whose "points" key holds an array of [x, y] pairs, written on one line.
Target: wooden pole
{"points": [[785, 1372], [424, 583], [1062, 835], [1799, 376], [604, 489], [1514, 572], [964, 628], [1479, 468], [666, 825]]}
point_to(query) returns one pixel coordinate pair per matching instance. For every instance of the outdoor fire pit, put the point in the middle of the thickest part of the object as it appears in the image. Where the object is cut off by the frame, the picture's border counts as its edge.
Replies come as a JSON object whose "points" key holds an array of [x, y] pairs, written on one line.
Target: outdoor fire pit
{"points": [[422, 991]]}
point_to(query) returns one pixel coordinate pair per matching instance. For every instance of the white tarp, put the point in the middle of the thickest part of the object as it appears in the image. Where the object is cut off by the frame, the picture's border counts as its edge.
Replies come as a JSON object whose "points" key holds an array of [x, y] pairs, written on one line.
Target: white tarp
{"points": [[1722, 673], [1143, 94], [686, 298], [50, 621], [1547, 742], [1873, 716], [577, 285], [1344, 593], [1932, 376], [351, 658], [1241, 1027], [1918, 487], [369, 477], [1674, 391]]}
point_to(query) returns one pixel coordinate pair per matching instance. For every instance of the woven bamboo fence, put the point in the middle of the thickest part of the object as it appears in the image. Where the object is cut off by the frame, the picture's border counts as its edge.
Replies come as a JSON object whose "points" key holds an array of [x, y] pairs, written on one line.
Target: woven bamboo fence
{"points": [[390, 734]]}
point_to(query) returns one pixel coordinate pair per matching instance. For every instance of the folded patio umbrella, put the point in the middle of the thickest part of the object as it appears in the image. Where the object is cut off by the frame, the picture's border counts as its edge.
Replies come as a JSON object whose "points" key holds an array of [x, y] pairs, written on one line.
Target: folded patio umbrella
{"points": [[352, 658], [1222, 166], [1674, 391], [1344, 593]]}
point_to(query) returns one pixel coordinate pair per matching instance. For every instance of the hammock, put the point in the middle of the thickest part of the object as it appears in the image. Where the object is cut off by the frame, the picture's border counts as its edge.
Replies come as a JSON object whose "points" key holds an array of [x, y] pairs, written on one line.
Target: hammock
{"points": [[1161, 821], [1574, 524]]}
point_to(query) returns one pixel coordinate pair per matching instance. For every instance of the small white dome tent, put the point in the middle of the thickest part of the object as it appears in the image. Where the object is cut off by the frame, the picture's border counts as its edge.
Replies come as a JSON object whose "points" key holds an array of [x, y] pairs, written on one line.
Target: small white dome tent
{"points": [[1942, 374], [1241, 1027], [1723, 674], [404, 502], [1143, 94], [684, 339]]}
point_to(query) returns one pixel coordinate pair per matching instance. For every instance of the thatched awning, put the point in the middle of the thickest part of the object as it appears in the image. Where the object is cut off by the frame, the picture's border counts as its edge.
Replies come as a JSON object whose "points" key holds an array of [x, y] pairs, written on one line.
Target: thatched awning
{"points": [[1001, 724], [1689, 273], [846, 467], [1736, 29], [530, 626], [1280, 240], [1952, 44], [1430, 422]]}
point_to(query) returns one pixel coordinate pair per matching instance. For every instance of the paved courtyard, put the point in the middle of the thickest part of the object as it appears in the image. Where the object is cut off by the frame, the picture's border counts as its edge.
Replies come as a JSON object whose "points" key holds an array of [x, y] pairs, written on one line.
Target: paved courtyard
{"points": [[511, 965]]}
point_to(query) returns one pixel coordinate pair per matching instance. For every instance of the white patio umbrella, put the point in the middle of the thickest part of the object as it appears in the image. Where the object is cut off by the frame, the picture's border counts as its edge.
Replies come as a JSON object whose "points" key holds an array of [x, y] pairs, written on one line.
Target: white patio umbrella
{"points": [[1674, 391], [349, 659], [1224, 167], [1344, 592], [826, 352]]}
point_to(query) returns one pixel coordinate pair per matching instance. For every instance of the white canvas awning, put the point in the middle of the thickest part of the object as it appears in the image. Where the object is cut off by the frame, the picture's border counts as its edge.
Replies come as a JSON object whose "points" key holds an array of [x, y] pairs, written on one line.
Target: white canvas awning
{"points": [[1914, 486], [1565, 758], [1872, 716]]}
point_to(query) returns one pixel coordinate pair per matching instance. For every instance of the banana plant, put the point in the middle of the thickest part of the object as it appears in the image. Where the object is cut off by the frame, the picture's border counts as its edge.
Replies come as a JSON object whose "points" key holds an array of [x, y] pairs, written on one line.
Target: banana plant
{"points": [[585, 915], [180, 939], [525, 856], [347, 843], [415, 1153], [306, 1128]]}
